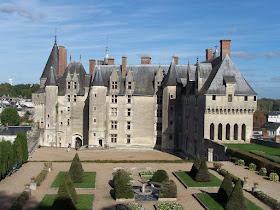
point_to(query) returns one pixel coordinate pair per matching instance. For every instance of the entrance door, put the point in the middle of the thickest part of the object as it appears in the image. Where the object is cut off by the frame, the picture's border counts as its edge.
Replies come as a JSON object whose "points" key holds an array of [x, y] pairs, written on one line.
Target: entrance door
{"points": [[78, 142], [100, 142]]}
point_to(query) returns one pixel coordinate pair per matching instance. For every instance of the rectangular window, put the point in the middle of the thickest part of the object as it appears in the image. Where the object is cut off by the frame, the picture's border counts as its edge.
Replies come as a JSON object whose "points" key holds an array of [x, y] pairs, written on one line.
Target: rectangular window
{"points": [[170, 137], [129, 86], [159, 126], [214, 97], [94, 120], [128, 139], [229, 97], [114, 85], [255, 98], [75, 85], [114, 99], [68, 109], [129, 99], [68, 122], [114, 125], [245, 98], [159, 99], [68, 85], [69, 98], [94, 108], [171, 96], [129, 112], [159, 113], [75, 98], [128, 125], [114, 111], [114, 138]]}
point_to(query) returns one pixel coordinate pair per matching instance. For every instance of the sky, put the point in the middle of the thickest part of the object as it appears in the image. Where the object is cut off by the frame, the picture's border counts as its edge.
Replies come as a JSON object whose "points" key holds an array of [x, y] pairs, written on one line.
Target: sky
{"points": [[157, 28]]}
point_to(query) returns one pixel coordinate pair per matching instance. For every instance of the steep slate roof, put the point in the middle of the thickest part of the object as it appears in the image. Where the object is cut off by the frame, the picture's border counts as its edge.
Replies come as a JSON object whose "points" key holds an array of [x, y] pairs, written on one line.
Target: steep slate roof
{"points": [[98, 79], [225, 70], [272, 126], [14, 130], [52, 61], [51, 80], [171, 78]]}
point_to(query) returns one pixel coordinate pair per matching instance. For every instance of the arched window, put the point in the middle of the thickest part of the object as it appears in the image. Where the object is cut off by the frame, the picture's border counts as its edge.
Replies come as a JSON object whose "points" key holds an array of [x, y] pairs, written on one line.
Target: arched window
{"points": [[212, 131], [243, 136], [235, 137], [227, 131], [220, 131]]}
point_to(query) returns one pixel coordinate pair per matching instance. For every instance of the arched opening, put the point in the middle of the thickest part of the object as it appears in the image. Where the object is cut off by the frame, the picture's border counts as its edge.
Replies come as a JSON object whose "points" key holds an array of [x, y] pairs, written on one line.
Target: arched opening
{"points": [[235, 135], [220, 131], [212, 131], [243, 136], [227, 131], [78, 142]]}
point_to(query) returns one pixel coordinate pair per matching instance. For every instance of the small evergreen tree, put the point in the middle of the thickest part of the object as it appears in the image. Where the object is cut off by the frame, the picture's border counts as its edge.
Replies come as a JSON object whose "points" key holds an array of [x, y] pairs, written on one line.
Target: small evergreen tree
{"points": [[160, 176], [10, 154], [203, 174], [71, 188], [168, 189], [76, 170], [195, 166], [236, 199], [17, 150], [225, 189], [23, 141], [4, 158]]}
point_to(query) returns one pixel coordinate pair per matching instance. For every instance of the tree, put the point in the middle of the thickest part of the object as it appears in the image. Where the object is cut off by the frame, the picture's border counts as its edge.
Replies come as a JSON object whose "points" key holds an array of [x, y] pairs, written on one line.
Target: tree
{"points": [[71, 188], [23, 141], [160, 176], [236, 199], [203, 174], [4, 158], [195, 166], [10, 153], [9, 116], [225, 189], [17, 148], [76, 170], [259, 119]]}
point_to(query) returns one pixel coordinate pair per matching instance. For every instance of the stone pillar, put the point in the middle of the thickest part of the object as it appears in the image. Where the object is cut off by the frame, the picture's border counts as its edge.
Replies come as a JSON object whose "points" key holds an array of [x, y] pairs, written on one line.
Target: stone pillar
{"points": [[210, 154]]}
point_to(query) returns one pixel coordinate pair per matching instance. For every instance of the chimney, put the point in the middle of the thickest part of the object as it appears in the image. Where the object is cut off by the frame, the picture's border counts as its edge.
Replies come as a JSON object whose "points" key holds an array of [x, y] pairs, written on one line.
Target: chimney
{"points": [[123, 65], [176, 59], [92, 64], [146, 60], [62, 60], [100, 62], [225, 48], [209, 54], [111, 61]]}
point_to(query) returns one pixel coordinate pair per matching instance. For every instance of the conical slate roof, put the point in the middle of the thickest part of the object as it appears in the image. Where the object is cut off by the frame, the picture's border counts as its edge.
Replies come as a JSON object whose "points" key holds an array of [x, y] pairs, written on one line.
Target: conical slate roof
{"points": [[98, 79], [52, 61], [171, 77], [51, 80]]}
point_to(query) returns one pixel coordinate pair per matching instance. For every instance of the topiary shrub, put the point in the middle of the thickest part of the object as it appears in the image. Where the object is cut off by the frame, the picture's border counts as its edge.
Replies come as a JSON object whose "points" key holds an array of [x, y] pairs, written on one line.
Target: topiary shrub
{"points": [[225, 189], [274, 177], [121, 185], [252, 167], [236, 199], [203, 174], [121, 176], [72, 189], [41, 177], [262, 172], [168, 189], [195, 166], [234, 159], [160, 176], [241, 162], [76, 170]]}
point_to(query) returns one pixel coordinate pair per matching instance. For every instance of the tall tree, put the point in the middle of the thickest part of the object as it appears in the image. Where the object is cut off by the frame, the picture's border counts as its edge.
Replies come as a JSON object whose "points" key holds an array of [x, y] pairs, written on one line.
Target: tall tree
{"points": [[17, 150], [76, 170], [23, 140], [9, 116], [259, 119]]}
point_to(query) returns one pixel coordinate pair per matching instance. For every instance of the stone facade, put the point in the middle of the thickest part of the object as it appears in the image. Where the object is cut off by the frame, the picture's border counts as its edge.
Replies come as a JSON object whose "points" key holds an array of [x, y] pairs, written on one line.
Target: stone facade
{"points": [[167, 107]]}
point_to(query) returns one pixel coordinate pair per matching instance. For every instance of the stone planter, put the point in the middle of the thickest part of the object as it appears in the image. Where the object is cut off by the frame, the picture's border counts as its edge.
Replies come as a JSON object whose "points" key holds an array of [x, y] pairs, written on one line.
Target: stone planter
{"points": [[255, 189], [245, 184], [33, 185]]}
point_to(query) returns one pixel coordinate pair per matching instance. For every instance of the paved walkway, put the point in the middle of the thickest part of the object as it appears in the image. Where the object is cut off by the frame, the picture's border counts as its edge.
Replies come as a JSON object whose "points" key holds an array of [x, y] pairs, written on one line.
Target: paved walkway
{"points": [[12, 186]]}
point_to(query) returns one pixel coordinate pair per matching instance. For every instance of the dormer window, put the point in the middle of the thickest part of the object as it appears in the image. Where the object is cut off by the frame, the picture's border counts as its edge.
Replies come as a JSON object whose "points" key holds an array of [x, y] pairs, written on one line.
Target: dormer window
{"points": [[129, 99], [129, 85], [75, 85], [68, 85], [114, 85], [245, 98], [213, 97], [229, 97]]}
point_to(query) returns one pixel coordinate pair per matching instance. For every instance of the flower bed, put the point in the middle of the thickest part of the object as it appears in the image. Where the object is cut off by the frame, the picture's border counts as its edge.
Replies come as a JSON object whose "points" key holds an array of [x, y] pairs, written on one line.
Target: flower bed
{"points": [[132, 206], [274, 204], [146, 174], [171, 206]]}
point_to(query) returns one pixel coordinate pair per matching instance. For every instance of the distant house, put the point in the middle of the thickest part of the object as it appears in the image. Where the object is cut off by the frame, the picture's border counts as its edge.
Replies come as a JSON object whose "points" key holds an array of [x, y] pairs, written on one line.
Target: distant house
{"points": [[257, 132], [10, 133], [272, 128], [274, 117]]}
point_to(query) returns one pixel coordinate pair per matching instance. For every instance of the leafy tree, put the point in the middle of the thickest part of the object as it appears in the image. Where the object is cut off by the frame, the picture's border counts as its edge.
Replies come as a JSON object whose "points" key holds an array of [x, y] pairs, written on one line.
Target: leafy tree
{"points": [[196, 165], [1, 159], [259, 119], [23, 141], [76, 170], [203, 174], [24, 90], [236, 199], [17, 150], [9, 116], [225, 189]]}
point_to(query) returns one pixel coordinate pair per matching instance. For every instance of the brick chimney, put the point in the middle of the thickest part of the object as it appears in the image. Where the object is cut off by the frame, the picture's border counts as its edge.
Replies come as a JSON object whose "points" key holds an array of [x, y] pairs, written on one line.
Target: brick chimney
{"points": [[176, 59], [111, 61], [92, 64], [100, 62], [225, 48], [124, 65], [146, 60], [209, 54], [62, 60]]}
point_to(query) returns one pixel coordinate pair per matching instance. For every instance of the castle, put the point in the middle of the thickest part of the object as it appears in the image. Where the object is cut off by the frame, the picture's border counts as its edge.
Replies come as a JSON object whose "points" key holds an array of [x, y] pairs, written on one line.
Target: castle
{"points": [[191, 108]]}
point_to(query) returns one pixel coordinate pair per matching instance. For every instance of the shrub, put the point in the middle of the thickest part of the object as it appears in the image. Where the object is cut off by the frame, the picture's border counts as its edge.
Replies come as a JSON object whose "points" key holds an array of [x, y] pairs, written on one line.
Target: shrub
{"points": [[124, 190], [168, 189], [20, 201], [216, 165], [71, 188], [272, 158], [236, 199], [274, 204], [195, 166], [76, 170], [234, 178], [129, 206], [120, 177], [252, 167], [41, 177], [262, 172], [234, 159], [241, 162], [203, 174], [274, 177], [225, 189], [160, 176]]}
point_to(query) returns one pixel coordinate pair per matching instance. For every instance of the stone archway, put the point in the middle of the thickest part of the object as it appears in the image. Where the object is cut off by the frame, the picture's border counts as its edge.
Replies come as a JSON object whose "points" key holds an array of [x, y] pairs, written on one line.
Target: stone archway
{"points": [[77, 141]]}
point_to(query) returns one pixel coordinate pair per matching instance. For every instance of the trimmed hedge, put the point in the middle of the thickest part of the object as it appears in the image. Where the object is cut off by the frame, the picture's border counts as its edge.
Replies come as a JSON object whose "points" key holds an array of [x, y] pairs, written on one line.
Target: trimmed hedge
{"points": [[195, 166], [234, 178], [41, 177], [251, 158], [20, 201], [252, 167], [76, 170], [275, 159], [168, 189], [274, 177], [263, 172], [121, 185], [225, 189], [160, 176], [203, 174]]}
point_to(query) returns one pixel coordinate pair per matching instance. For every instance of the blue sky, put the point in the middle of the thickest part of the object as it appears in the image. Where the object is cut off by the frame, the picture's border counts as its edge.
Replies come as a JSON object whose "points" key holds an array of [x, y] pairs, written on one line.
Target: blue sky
{"points": [[135, 28]]}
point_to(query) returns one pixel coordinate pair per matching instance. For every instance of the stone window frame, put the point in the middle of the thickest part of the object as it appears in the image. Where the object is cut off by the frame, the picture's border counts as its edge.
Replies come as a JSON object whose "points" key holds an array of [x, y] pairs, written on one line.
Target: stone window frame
{"points": [[129, 85], [68, 85], [114, 138], [114, 125], [114, 99], [129, 112], [68, 98], [75, 98], [128, 125], [229, 98], [159, 112], [114, 112], [114, 85], [129, 99], [75, 85], [128, 138]]}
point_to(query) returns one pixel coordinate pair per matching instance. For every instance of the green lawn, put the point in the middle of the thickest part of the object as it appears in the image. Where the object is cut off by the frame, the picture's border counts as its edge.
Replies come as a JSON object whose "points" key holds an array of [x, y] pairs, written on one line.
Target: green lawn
{"points": [[84, 204], [209, 200], [187, 179], [248, 147], [89, 180]]}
